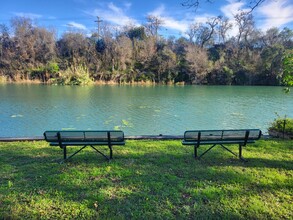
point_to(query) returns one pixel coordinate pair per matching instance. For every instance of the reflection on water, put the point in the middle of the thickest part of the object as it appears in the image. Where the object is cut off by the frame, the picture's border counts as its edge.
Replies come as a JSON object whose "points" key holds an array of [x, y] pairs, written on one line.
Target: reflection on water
{"points": [[29, 110]]}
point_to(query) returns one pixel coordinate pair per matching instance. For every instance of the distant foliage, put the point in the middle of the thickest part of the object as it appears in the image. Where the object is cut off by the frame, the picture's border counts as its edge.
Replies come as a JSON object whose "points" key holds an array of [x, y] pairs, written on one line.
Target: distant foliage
{"points": [[288, 68], [139, 54]]}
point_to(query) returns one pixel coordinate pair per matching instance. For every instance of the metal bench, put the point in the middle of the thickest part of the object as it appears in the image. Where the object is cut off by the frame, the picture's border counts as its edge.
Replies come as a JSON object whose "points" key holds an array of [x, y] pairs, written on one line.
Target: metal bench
{"points": [[220, 137], [84, 139]]}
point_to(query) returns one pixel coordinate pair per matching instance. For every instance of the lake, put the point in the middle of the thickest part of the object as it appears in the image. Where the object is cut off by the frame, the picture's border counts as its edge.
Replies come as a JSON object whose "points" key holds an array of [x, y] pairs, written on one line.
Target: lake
{"points": [[29, 110]]}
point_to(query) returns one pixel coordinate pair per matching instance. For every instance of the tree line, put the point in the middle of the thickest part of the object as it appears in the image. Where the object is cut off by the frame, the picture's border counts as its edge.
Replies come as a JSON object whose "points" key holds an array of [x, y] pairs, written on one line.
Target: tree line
{"points": [[131, 54]]}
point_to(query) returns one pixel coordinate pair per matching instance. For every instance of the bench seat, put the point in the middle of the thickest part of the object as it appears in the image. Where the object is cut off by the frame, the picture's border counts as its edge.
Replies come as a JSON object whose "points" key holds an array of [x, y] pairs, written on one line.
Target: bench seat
{"points": [[220, 137], [84, 139]]}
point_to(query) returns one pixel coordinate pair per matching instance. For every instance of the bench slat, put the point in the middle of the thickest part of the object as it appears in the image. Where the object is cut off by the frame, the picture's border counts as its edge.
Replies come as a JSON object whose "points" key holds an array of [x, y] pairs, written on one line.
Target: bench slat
{"points": [[86, 136], [85, 143], [221, 135], [216, 142]]}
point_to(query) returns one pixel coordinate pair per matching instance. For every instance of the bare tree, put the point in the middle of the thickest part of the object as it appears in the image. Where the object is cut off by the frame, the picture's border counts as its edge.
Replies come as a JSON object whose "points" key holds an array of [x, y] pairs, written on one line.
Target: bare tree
{"points": [[245, 25], [73, 48], [193, 31], [196, 4], [44, 45], [6, 50], [197, 59], [123, 53], [23, 42], [207, 32], [153, 24], [271, 36], [224, 26]]}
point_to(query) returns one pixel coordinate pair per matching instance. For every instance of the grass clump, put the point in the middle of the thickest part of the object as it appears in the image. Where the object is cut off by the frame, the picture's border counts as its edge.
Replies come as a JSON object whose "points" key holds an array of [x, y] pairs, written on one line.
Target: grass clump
{"points": [[146, 180]]}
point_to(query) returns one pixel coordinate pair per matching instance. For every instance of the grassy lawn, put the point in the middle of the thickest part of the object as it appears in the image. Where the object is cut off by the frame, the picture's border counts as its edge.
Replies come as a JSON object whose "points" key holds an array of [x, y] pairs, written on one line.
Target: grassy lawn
{"points": [[147, 180]]}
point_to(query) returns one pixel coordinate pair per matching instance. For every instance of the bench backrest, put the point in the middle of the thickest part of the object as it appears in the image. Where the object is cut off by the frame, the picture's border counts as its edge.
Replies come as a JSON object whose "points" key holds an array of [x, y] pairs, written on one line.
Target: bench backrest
{"points": [[220, 135], [84, 136]]}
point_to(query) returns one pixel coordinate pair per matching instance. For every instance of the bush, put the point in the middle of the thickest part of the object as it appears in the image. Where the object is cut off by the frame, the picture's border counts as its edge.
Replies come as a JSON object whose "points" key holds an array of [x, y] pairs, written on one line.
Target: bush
{"points": [[73, 76], [52, 68], [3, 79], [43, 73], [282, 126]]}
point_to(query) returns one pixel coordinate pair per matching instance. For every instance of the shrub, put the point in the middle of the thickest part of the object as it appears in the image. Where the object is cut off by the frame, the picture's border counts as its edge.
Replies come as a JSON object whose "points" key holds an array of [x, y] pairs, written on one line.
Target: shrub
{"points": [[52, 68], [73, 76], [282, 125], [3, 79]]}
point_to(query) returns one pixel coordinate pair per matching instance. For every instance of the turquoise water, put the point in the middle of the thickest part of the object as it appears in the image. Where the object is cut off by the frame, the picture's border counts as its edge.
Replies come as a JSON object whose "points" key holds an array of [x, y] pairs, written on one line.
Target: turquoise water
{"points": [[29, 110]]}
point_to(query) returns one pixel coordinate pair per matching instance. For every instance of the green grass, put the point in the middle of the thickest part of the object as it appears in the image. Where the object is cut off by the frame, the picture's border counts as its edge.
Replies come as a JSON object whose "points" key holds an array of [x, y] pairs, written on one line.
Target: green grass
{"points": [[146, 180]]}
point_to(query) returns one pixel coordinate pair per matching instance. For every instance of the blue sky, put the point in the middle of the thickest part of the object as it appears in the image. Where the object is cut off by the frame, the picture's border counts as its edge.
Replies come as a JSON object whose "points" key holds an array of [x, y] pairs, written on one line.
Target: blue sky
{"points": [[81, 14]]}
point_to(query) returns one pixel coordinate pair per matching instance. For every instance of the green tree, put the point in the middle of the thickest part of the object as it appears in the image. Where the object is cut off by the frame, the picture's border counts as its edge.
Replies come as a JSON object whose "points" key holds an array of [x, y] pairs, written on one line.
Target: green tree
{"points": [[288, 69]]}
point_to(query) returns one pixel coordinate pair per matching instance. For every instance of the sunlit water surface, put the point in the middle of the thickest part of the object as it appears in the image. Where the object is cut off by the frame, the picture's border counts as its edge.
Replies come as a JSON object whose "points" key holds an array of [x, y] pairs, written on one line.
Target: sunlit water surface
{"points": [[29, 110]]}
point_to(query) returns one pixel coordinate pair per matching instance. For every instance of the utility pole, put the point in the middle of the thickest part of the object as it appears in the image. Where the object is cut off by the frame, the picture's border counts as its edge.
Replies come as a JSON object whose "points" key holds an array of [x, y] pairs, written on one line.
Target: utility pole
{"points": [[98, 22], [157, 25]]}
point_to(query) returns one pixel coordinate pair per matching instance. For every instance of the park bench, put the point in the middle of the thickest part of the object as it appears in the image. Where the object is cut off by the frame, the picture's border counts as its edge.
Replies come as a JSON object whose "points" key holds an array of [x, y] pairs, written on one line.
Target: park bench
{"points": [[220, 137], [84, 139]]}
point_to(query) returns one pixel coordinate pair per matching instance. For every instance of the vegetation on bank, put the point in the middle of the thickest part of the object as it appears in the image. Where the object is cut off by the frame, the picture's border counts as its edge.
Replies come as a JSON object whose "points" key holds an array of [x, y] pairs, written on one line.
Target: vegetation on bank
{"points": [[208, 55], [282, 127], [146, 180]]}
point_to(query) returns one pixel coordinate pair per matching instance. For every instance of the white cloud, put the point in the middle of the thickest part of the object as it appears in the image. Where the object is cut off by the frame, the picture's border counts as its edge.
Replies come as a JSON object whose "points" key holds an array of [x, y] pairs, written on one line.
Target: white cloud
{"points": [[276, 13], [114, 8], [203, 18], [52, 17], [27, 15], [168, 21], [127, 5], [158, 12], [271, 13], [114, 14], [233, 8], [176, 25], [76, 25]]}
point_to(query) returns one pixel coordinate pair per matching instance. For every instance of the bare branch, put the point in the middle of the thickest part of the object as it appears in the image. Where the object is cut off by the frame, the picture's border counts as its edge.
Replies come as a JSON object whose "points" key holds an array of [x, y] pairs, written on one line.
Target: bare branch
{"points": [[196, 4], [254, 4]]}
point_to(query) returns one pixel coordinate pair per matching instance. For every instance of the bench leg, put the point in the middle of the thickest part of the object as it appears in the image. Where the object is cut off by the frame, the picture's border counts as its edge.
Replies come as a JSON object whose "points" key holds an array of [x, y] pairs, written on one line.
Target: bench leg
{"points": [[206, 151], [111, 151], [101, 153], [228, 150], [67, 158], [64, 152], [195, 151], [240, 153]]}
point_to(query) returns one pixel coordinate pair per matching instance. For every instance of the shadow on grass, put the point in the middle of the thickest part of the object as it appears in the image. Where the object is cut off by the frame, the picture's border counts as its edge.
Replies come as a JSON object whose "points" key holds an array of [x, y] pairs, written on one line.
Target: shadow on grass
{"points": [[152, 184]]}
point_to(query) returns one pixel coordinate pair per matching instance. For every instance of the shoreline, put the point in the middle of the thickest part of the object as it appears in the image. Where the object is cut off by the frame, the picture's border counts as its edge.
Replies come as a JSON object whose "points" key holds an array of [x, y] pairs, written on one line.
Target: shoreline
{"points": [[113, 83], [99, 82]]}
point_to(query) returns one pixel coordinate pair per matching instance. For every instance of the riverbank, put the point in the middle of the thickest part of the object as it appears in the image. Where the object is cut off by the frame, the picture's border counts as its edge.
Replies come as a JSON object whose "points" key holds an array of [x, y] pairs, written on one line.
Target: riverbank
{"points": [[147, 180], [98, 82], [115, 83]]}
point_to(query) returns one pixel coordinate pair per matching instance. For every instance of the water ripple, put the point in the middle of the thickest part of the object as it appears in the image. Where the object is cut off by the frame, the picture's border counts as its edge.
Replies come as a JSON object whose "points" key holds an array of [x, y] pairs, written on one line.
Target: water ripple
{"points": [[30, 110]]}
